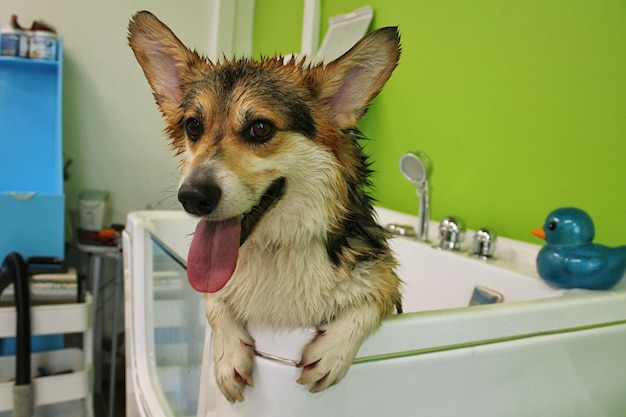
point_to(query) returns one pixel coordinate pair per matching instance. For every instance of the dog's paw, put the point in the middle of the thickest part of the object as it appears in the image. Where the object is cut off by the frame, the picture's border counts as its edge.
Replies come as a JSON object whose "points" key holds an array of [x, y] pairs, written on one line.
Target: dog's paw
{"points": [[233, 368], [326, 359]]}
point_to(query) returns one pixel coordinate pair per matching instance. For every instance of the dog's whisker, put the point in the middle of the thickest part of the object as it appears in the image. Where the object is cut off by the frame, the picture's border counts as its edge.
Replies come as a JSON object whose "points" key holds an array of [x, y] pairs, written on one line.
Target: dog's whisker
{"points": [[168, 200]]}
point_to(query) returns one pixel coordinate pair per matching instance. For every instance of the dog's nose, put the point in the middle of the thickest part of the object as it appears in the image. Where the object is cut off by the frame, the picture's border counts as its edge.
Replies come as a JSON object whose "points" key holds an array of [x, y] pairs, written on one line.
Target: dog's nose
{"points": [[199, 201]]}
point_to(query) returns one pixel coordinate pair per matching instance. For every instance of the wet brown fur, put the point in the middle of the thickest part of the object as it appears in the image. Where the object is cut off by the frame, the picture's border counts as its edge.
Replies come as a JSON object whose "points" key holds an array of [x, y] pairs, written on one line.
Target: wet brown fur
{"points": [[314, 102]]}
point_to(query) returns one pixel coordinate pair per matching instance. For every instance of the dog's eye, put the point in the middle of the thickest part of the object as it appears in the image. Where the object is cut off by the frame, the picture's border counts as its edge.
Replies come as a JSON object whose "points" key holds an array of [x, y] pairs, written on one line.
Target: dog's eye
{"points": [[261, 131], [193, 128]]}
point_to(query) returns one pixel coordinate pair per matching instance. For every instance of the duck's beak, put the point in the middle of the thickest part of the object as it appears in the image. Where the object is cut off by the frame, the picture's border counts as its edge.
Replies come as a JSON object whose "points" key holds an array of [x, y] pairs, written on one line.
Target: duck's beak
{"points": [[539, 232]]}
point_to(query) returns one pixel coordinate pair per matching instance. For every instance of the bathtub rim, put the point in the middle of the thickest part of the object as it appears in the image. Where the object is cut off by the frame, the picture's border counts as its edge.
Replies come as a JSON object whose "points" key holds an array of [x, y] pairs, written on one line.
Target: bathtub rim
{"points": [[418, 333]]}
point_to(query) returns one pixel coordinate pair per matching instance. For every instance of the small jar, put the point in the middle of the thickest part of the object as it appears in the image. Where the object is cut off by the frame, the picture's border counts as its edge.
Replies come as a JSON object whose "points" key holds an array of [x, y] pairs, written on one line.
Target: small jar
{"points": [[43, 45], [14, 42]]}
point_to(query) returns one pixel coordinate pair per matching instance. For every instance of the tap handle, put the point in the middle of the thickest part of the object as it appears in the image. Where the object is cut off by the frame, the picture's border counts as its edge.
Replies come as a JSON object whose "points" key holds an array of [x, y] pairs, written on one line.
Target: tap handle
{"points": [[484, 245], [451, 233]]}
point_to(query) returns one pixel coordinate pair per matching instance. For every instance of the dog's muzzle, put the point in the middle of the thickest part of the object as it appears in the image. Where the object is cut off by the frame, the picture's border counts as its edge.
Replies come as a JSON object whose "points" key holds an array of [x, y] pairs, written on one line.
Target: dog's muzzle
{"points": [[199, 201]]}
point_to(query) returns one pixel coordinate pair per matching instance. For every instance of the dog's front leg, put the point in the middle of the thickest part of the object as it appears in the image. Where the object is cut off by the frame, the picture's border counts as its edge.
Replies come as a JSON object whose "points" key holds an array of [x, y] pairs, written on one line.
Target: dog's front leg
{"points": [[233, 350], [327, 358]]}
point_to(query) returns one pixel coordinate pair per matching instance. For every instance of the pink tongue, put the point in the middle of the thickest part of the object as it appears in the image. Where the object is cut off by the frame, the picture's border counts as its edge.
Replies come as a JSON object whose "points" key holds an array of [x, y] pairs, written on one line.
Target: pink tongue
{"points": [[213, 254]]}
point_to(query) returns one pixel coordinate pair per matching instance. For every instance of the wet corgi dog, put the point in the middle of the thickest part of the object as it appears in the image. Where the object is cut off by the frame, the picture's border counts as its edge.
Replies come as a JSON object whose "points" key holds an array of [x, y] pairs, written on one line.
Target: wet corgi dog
{"points": [[272, 166]]}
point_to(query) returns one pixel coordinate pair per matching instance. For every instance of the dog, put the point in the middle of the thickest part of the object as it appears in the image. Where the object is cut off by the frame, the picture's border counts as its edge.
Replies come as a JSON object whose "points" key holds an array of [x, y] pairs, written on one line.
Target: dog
{"points": [[272, 166]]}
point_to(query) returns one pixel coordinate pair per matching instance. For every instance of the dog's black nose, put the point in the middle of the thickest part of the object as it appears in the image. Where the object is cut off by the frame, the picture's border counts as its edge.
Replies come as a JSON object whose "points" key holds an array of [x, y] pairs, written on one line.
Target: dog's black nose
{"points": [[199, 201]]}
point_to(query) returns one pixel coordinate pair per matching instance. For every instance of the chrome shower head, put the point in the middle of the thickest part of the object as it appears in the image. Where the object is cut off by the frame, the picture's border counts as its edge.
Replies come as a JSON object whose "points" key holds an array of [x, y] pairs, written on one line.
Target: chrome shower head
{"points": [[416, 168]]}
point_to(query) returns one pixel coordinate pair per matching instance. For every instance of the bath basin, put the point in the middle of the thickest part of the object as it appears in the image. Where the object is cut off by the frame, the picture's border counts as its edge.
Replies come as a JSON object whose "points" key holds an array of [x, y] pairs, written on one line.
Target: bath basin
{"points": [[543, 351]]}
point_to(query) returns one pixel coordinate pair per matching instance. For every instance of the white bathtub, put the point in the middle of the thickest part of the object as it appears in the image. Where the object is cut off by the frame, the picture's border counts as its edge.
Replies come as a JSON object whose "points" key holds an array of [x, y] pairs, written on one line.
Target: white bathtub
{"points": [[543, 352]]}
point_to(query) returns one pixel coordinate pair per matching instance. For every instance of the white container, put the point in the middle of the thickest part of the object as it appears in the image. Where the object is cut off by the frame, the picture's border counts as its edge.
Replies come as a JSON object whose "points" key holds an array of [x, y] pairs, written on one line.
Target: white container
{"points": [[93, 209], [43, 45], [14, 42]]}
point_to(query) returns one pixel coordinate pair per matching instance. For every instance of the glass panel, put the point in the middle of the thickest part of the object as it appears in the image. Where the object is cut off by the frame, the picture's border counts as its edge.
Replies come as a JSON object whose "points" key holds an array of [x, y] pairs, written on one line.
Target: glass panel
{"points": [[179, 325]]}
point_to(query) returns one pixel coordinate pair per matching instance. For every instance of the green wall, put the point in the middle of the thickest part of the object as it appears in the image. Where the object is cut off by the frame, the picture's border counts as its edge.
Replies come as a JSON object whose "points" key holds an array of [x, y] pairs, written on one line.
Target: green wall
{"points": [[520, 104]]}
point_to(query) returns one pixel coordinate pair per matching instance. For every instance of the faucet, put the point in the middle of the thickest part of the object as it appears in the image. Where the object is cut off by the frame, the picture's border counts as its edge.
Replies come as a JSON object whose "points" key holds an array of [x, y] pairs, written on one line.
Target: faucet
{"points": [[451, 233], [417, 168], [484, 245]]}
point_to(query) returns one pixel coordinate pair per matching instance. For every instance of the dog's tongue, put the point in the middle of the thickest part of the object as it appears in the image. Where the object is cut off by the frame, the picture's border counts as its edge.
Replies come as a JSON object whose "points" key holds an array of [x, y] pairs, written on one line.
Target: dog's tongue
{"points": [[213, 254]]}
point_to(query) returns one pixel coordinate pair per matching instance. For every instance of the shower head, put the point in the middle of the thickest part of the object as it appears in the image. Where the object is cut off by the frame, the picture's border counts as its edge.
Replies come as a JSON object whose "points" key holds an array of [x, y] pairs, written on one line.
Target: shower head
{"points": [[416, 167]]}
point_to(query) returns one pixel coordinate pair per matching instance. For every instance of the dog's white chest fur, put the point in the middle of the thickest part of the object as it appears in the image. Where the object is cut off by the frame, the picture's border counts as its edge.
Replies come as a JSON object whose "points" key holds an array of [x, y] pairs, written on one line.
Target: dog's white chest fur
{"points": [[285, 286]]}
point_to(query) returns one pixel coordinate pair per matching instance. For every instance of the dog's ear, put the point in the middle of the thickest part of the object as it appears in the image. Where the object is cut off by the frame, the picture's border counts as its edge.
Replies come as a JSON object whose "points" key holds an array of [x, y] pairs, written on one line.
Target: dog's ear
{"points": [[163, 57], [351, 81]]}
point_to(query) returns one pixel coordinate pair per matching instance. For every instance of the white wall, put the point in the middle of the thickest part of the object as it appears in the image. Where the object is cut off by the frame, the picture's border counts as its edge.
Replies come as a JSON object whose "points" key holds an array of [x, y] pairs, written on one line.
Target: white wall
{"points": [[111, 126]]}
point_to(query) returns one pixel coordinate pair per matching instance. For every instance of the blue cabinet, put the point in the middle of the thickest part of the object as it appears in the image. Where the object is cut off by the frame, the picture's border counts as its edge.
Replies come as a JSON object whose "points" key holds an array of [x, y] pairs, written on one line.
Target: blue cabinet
{"points": [[32, 204]]}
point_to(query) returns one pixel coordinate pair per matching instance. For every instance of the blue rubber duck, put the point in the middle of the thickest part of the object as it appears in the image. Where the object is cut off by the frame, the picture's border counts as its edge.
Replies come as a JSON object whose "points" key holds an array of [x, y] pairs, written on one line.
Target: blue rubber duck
{"points": [[570, 259]]}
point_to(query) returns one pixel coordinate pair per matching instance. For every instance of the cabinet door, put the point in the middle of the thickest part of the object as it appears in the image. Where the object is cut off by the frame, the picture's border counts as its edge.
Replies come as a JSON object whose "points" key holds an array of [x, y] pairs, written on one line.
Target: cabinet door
{"points": [[30, 126], [32, 224]]}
